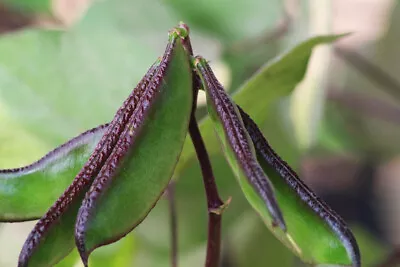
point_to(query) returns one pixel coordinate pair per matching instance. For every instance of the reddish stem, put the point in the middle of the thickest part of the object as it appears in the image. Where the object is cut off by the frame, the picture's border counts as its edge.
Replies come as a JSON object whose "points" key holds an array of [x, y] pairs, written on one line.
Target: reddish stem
{"points": [[214, 202]]}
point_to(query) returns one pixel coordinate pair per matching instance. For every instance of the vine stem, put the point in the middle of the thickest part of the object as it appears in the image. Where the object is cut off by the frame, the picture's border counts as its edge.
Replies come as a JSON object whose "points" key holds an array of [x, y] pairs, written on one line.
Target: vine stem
{"points": [[214, 203]]}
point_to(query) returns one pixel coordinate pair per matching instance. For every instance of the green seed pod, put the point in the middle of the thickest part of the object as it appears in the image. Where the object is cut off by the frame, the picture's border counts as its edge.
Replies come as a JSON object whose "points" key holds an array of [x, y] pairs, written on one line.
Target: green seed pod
{"points": [[142, 162], [312, 230], [238, 147], [53, 236], [120, 161], [320, 235], [21, 197]]}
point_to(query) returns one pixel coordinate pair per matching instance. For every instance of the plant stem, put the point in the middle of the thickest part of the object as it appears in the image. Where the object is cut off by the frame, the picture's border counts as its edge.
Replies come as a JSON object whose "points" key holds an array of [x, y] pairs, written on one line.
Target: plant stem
{"points": [[214, 202], [173, 224], [215, 205]]}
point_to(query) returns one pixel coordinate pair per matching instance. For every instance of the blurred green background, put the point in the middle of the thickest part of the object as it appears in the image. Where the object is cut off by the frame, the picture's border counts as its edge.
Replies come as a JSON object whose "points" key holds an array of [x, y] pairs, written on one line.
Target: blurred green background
{"points": [[67, 65]]}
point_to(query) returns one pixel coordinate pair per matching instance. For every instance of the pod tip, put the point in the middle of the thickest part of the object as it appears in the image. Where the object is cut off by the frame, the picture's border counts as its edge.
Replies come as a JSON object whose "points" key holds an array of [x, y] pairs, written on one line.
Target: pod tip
{"points": [[182, 31], [184, 26]]}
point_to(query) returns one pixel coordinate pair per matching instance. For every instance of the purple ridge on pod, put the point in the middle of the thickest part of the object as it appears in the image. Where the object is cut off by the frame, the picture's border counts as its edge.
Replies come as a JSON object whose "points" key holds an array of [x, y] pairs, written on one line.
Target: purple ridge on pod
{"points": [[85, 177], [290, 177], [238, 140]]}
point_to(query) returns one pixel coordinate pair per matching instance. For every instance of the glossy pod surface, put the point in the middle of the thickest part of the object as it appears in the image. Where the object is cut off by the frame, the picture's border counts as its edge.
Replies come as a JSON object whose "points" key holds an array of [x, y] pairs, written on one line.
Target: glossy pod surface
{"points": [[21, 190], [320, 235], [133, 139], [314, 232], [53, 236], [129, 185], [238, 147]]}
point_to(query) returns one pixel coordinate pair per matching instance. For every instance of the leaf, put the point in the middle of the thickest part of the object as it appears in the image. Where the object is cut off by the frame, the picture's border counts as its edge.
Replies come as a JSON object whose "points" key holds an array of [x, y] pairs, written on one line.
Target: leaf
{"points": [[119, 200], [20, 189], [307, 102], [19, 142], [97, 59], [314, 232], [237, 147]]}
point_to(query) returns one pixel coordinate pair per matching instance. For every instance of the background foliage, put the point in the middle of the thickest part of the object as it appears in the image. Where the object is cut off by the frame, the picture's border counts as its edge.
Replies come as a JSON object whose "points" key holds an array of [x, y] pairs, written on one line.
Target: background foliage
{"points": [[55, 84]]}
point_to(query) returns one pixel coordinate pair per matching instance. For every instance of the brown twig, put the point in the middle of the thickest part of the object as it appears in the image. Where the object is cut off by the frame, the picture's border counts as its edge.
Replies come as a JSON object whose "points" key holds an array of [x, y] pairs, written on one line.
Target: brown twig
{"points": [[214, 202]]}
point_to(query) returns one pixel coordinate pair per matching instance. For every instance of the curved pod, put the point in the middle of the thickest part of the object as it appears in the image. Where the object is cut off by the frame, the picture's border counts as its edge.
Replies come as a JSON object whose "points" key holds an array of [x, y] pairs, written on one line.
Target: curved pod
{"points": [[131, 141], [238, 147], [135, 175], [21, 189], [320, 234]]}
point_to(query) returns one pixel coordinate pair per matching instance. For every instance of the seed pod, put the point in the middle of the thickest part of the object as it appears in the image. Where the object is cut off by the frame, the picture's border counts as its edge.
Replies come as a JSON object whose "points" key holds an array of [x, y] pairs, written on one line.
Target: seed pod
{"points": [[144, 158], [320, 235], [52, 237], [151, 106], [238, 147], [21, 197]]}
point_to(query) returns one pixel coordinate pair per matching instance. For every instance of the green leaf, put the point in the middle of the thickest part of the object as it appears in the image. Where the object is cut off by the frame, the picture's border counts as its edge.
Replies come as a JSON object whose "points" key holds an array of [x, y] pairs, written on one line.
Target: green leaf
{"points": [[315, 233], [308, 100], [98, 59], [19, 142], [278, 78], [20, 189], [47, 70]]}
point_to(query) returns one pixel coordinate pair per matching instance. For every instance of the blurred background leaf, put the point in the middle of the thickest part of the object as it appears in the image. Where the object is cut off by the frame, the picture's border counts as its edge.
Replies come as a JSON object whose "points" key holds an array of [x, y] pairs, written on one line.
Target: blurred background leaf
{"points": [[60, 78], [34, 6]]}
